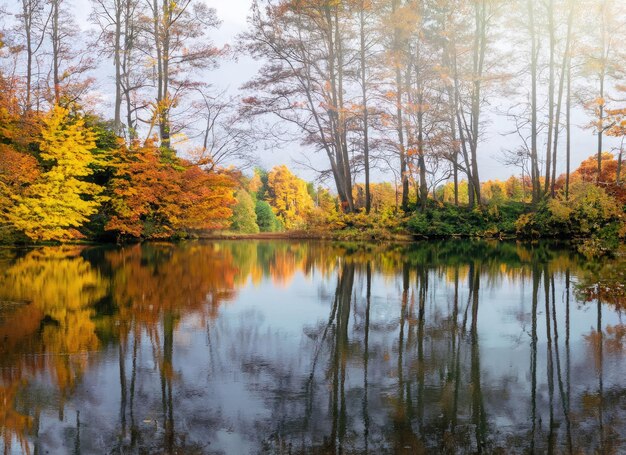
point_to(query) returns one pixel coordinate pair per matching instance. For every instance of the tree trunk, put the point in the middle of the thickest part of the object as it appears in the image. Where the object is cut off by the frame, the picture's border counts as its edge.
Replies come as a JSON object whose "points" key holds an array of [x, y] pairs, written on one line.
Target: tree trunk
{"points": [[117, 115], [399, 112], [480, 47], [343, 130], [618, 172], [547, 185], [568, 127], [533, 106], [423, 193], [564, 67], [27, 11], [366, 146], [165, 118], [602, 77], [342, 173], [56, 50]]}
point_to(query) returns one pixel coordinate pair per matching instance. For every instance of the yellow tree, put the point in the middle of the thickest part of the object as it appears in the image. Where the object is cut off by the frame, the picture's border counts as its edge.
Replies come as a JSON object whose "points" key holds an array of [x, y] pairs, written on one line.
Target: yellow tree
{"points": [[288, 197], [60, 200]]}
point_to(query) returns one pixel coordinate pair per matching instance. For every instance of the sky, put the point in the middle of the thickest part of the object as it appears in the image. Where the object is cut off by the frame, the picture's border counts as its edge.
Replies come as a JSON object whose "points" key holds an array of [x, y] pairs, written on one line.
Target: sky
{"points": [[233, 73], [234, 15]]}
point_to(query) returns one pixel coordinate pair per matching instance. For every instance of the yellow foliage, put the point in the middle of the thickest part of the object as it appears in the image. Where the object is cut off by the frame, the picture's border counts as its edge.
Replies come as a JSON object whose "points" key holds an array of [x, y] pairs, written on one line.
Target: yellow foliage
{"points": [[289, 197], [60, 200], [62, 287]]}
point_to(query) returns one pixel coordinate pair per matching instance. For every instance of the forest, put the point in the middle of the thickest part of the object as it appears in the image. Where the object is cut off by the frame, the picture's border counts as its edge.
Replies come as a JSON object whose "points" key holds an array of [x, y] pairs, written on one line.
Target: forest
{"points": [[392, 98]]}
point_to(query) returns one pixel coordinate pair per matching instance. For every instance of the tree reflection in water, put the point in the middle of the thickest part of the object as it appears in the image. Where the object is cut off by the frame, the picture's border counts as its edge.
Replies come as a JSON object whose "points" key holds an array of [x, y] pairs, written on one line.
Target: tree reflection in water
{"points": [[309, 347]]}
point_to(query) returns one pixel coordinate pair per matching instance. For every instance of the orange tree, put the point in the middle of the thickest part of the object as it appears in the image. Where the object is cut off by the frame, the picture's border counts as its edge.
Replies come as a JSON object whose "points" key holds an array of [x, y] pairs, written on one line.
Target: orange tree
{"points": [[151, 198]]}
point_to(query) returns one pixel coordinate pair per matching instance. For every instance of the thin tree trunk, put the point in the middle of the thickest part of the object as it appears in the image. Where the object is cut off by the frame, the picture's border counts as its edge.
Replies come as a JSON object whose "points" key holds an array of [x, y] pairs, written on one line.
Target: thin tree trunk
{"points": [[421, 150], [342, 174], [28, 23], [618, 173], [129, 36], [547, 185], [117, 115], [56, 50], [366, 147], [399, 112], [347, 173], [564, 66], [602, 75], [421, 156], [166, 102], [158, 43], [568, 127], [461, 127], [480, 48], [533, 106]]}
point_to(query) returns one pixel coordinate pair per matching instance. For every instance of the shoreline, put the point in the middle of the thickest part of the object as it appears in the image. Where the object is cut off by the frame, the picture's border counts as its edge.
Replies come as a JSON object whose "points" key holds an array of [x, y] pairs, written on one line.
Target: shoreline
{"points": [[339, 236], [307, 235]]}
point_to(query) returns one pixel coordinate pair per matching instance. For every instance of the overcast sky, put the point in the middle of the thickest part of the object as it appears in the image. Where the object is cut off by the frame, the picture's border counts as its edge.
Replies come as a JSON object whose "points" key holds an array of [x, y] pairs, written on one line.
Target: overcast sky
{"points": [[234, 13], [232, 74]]}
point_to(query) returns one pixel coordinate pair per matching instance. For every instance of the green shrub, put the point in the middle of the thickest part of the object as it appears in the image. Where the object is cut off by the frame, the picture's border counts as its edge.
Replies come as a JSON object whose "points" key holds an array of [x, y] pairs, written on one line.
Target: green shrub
{"points": [[450, 220], [588, 211], [244, 217], [589, 214], [266, 219]]}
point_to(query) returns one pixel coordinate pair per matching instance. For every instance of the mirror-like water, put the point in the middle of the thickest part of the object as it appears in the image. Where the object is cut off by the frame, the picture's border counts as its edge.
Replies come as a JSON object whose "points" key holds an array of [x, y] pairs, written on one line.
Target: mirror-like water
{"points": [[308, 347]]}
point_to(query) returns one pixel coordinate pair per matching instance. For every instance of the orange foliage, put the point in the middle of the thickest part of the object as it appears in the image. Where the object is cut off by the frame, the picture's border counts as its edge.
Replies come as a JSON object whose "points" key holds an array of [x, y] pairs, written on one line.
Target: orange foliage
{"points": [[154, 199], [588, 172], [206, 199], [55, 290], [13, 425]]}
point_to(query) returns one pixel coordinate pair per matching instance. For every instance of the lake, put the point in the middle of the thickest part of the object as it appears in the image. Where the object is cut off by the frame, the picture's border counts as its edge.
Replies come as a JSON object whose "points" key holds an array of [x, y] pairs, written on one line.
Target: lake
{"points": [[279, 347]]}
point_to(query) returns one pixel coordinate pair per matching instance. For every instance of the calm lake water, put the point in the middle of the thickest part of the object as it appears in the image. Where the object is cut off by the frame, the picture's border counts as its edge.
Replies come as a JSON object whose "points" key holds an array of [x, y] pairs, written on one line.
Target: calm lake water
{"points": [[312, 348]]}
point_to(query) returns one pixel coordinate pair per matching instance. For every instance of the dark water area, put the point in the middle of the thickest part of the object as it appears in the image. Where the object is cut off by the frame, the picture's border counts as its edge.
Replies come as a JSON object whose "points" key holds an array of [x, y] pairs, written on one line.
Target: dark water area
{"points": [[278, 347]]}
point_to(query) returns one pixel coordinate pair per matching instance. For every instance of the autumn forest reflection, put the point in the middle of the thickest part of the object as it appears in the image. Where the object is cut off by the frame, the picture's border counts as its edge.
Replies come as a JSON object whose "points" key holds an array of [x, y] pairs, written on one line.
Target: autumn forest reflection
{"points": [[311, 347]]}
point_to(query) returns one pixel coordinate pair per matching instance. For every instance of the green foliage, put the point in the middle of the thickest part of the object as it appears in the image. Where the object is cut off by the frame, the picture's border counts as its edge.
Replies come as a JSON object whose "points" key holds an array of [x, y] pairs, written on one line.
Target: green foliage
{"points": [[589, 213], [450, 220], [384, 225], [266, 219], [258, 185], [244, 219]]}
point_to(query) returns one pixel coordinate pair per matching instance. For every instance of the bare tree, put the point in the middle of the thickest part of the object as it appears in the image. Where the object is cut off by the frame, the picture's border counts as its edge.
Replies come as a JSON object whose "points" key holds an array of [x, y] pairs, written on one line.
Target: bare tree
{"points": [[34, 19], [180, 49], [302, 81], [226, 138]]}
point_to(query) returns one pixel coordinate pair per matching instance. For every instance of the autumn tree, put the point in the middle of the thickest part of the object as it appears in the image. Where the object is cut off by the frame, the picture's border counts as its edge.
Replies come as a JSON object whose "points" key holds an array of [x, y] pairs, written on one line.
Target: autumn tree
{"points": [[206, 198], [59, 201], [602, 63], [303, 80], [288, 197], [244, 217], [608, 178], [18, 168], [152, 198]]}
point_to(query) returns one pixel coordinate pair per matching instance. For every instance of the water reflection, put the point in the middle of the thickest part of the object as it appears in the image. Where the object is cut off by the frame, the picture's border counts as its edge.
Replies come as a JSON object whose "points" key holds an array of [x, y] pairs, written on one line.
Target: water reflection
{"points": [[308, 347]]}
